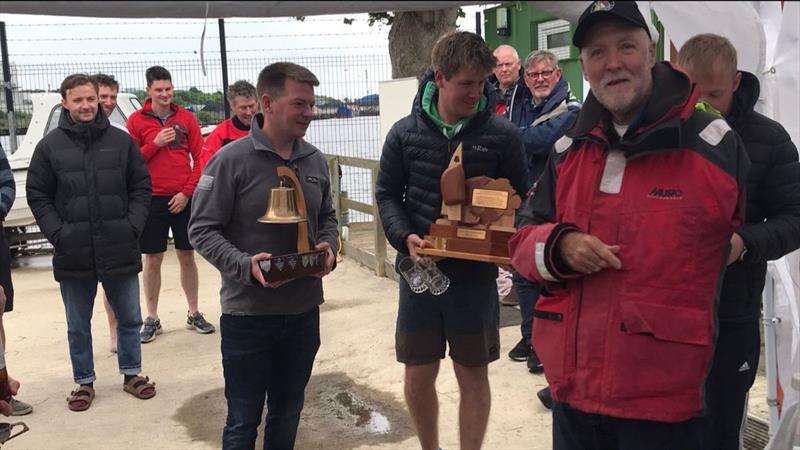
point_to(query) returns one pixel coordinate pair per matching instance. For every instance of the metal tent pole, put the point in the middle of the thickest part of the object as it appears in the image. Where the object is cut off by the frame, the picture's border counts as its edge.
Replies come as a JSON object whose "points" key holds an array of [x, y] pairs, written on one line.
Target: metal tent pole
{"points": [[770, 350]]}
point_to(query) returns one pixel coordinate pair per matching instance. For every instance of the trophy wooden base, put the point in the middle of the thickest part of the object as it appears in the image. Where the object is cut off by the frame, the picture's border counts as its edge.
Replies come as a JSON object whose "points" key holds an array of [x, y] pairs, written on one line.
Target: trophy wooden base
{"points": [[471, 243], [293, 265]]}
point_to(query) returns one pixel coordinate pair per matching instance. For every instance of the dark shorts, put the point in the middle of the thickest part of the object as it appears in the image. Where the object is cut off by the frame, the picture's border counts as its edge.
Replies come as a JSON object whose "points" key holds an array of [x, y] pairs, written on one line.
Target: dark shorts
{"points": [[159, 221], [5, 272], [466, 318]]}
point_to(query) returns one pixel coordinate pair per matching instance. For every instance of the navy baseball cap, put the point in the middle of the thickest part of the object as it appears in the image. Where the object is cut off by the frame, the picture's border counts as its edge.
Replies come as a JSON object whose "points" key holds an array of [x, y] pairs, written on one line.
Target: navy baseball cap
{"points": [[603, 10]]}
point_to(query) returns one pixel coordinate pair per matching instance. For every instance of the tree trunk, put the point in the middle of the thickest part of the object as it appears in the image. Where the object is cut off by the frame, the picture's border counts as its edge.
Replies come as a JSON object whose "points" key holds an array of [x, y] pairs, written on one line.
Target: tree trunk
{"points": [[412, 37]]}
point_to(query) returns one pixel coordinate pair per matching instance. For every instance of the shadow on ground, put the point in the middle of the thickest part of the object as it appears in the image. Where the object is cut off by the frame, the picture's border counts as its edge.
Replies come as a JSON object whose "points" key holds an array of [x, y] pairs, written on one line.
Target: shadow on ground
{"points": [[509, 316], [338, 414]]}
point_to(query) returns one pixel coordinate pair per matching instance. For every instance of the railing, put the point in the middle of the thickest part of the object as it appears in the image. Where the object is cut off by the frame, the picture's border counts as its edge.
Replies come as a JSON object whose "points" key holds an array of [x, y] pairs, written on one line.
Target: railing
{"points": [[377, 259]]}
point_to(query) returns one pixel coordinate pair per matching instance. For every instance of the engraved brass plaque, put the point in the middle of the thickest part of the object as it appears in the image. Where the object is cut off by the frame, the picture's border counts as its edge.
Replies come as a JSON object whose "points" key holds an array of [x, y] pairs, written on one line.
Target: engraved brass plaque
{"points": [[485, 198], [466, 233]]}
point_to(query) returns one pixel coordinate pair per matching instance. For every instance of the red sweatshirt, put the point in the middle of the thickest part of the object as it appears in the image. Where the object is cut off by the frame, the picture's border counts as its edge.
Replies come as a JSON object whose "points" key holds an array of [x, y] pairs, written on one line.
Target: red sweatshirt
{"points": [[171, 166]]}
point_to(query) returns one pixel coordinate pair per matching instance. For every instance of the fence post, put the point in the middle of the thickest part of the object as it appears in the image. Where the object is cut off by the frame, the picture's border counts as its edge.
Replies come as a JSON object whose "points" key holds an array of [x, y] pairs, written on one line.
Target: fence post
{"points": [[223, 51], [336, 190], [9, 93], [380, 238]]}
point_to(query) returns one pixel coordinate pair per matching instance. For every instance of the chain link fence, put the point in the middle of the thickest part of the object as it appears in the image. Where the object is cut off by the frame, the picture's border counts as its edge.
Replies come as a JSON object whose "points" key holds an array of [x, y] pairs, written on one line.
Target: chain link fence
{"points": [[346, 114]]}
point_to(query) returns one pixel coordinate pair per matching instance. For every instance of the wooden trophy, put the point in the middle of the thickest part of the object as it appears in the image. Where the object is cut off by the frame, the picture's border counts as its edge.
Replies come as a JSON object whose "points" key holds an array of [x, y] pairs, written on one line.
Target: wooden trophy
{"points": [[287, 206], [477, 218]]}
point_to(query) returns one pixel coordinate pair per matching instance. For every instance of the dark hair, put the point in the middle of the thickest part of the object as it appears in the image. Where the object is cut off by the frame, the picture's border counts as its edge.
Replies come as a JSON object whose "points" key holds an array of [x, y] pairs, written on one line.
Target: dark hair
{"points": [[157, 73], [272, 79], [102, 79], [456, 50], [75, 80], [241, 88]]}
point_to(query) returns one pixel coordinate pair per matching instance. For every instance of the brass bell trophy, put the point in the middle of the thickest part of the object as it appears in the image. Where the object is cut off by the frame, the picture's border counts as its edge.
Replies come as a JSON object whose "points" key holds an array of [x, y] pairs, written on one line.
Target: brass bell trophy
{"points": [[477, 216], [287, 206]]}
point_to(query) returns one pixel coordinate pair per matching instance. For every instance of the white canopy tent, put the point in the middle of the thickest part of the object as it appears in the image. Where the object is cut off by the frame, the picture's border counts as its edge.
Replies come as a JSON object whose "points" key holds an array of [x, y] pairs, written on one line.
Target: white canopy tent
{"points": [[195, 9]]}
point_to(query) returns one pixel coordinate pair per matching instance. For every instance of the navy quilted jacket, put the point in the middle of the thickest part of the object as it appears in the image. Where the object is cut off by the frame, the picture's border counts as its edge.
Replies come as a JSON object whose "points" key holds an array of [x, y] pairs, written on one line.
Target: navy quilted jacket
{"points": [[414, 156]]}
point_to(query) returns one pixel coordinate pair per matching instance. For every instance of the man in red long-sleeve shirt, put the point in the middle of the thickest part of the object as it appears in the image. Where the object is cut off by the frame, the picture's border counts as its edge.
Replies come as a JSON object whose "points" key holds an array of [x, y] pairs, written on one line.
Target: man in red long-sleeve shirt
{"points": [[242, 98], [170, 140]]}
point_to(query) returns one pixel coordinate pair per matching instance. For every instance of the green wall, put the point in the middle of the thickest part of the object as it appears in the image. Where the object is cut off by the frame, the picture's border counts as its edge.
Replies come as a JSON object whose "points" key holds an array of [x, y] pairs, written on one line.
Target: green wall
{"points": [[522, 20]]}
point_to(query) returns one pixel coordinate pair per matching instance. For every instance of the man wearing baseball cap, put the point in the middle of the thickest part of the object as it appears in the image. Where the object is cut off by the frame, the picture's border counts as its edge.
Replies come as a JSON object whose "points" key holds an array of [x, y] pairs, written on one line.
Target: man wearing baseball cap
{"points": [[629, 234]]}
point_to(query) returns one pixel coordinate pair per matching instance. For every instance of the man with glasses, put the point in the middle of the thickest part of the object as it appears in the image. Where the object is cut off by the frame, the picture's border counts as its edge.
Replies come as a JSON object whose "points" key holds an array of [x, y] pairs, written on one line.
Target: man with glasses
{"points": [[549, 109]]}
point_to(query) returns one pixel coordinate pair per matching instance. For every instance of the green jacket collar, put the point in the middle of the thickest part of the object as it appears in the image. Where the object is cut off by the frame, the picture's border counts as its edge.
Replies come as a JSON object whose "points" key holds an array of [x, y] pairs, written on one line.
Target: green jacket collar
{"points": [[429, 96]]}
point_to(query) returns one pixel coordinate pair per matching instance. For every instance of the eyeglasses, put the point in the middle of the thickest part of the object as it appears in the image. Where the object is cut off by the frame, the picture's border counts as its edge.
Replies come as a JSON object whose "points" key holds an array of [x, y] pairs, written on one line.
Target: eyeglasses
{"points": [[543, 74]]}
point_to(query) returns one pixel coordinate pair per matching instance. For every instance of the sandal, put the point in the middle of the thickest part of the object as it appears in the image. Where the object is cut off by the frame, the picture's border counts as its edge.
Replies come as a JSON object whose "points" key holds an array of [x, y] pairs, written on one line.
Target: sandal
{"points": [[140, 387], [80, 399]]}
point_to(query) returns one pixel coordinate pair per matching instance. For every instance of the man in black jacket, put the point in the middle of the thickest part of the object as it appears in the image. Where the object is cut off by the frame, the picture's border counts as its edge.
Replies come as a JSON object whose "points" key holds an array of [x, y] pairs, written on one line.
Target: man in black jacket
{"points": [[89, 190], [450, 109], [507, 82], [772, 230]]}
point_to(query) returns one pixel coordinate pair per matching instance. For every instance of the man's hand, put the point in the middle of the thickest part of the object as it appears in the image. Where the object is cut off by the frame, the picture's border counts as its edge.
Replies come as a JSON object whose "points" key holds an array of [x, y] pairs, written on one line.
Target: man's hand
{"points": [[177, 203], [5, 408], [255, 271], [164, 137], [329, 258], [586, 254], [413, 242], [737, 248]]}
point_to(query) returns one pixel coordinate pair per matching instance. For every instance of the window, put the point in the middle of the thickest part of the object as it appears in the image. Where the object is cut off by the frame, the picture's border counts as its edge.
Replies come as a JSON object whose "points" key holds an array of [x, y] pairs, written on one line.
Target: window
{"points": [[554, 35], [117, 117], [556, 40], [55, 116]]}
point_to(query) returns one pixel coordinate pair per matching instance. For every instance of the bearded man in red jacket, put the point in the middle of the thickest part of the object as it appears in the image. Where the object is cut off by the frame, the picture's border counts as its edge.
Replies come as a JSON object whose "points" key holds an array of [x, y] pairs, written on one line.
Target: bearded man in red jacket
{"points": [[629, 232]]}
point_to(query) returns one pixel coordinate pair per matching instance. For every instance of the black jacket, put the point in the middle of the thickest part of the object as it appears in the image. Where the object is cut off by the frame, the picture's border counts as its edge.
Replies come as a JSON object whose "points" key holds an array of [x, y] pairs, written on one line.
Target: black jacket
{"points": [[773, 203], [89, 189], [414, 156], [520, 94]]}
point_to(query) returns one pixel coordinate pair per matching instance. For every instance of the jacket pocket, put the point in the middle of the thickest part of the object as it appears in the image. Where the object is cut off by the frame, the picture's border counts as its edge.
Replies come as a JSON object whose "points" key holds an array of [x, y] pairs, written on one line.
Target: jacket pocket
{"points": [[658, 350], [660, 247], [550, 335]]}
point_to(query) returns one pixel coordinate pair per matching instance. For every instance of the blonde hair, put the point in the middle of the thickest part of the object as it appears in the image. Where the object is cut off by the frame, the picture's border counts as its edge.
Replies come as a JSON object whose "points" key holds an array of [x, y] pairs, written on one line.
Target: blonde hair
{"points": [[703, 52]]}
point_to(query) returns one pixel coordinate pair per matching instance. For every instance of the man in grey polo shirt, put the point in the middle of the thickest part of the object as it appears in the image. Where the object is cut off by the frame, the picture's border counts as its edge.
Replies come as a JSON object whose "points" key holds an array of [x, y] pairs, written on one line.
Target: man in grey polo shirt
{"points": [[270, 331]]}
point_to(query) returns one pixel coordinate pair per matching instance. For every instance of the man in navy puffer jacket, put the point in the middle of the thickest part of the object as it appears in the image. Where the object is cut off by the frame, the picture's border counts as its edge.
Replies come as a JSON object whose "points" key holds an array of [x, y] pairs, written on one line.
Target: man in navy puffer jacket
{"points": [[450, 109]]}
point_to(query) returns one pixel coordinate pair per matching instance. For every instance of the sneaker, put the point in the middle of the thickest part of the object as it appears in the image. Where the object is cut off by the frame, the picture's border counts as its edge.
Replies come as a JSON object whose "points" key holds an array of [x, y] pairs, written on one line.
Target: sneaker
{"points": [[150, 329], [199, 323], [511, 298], [521, 351], [534, 365], [545, 398], [20, 408]]}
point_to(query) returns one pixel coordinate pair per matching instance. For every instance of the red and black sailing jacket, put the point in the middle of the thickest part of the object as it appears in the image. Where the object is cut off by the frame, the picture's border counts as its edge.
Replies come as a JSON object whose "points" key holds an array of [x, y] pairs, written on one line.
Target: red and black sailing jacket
{"points": [[225, 133], [637, 342]]}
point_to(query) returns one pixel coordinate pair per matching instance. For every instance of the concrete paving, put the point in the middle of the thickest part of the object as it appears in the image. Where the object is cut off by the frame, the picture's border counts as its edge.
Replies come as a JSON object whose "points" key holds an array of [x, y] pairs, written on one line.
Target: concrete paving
{"points": [[354, 399]]}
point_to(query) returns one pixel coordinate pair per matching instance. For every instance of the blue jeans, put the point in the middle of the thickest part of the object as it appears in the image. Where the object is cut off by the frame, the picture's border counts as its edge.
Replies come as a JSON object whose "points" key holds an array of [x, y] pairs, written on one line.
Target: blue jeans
{"points": [[268, 356], [123, 295], [527, 293]]}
